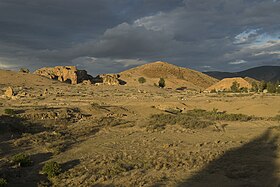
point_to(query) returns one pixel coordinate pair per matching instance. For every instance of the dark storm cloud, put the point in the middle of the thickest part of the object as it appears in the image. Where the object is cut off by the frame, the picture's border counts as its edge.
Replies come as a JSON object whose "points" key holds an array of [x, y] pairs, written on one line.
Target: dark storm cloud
{"points": [[112, 35]]}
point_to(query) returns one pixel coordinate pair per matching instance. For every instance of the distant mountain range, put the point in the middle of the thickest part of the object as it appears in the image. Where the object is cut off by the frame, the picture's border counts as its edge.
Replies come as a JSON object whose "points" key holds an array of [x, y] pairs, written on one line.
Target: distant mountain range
{"points": [[266, 73]]}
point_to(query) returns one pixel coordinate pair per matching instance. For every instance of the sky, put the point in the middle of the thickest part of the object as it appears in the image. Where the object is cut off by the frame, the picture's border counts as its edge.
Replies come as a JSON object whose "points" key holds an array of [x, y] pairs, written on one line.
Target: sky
{"points": [[109, 36]]}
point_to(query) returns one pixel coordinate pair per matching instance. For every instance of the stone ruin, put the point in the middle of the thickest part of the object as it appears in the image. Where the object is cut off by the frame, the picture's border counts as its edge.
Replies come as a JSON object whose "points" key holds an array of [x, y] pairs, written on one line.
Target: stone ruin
{"points": [[72, 75], [108, 79], [69, 74]]}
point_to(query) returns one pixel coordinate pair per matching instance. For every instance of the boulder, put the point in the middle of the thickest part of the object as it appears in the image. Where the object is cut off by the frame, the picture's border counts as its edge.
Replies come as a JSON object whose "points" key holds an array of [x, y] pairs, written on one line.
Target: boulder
{"points": [[9, 92], [86, 82], [69, 74]]}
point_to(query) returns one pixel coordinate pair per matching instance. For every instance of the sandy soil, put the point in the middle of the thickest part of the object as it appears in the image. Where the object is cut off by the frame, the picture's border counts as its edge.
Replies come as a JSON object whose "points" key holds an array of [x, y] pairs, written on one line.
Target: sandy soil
{"points": [[100, 136]]}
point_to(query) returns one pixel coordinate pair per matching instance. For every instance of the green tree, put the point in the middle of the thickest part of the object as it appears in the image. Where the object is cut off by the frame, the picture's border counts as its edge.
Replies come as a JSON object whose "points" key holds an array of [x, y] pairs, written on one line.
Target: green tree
{"points": [[271, 87], [244, 89], [141, 80], [255, 87], [263, 86], [277, 86], [161, 83], [235, 86]]}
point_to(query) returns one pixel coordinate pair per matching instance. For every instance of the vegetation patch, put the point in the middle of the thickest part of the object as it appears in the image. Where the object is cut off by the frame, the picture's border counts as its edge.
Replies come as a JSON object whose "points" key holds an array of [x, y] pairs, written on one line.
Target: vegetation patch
{"points": [[142, 80], [9, 111], [217, 115], [194, 119], [159, 121], [22, 160], [276, 118], [3, 182], [51, 169]]}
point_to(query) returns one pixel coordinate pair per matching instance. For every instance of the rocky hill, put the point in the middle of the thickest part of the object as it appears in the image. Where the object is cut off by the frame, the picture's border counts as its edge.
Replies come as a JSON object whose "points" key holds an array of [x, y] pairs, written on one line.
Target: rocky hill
{"points": [[266, 73], [225, 84], [174, 76]]}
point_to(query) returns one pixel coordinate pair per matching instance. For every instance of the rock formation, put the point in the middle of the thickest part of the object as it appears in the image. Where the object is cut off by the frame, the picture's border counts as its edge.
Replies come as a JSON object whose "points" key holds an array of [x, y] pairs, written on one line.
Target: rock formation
{"points": [[69, 74], [107, 79], [225, 84]]}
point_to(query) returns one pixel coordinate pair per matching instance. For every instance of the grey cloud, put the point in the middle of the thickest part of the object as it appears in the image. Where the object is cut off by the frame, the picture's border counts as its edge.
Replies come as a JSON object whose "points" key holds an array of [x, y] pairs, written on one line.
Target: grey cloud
{"points": [[192, 33]]}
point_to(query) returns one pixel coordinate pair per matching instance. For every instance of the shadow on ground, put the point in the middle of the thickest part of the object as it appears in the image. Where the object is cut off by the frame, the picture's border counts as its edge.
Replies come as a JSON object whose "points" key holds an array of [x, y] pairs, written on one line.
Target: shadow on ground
{"points": [[11, 128], [69, 165], [253, 164], [30, 176], [26, 176]]}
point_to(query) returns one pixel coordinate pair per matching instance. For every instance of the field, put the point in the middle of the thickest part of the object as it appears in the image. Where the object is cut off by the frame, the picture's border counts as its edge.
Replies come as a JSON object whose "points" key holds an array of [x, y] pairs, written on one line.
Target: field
{"points": [[138, 136]]}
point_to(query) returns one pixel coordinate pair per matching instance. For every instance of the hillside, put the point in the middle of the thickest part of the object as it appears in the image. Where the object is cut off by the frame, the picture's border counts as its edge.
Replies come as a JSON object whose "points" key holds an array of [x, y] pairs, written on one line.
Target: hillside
{"points": [[26, 82], [174, 76], [267, 73], [226, 83], [13, 78]]}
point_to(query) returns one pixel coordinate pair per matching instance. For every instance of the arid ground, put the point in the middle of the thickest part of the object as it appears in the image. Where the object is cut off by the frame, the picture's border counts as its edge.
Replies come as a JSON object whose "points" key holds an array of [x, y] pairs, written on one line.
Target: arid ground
{"points": [[138, 135]]}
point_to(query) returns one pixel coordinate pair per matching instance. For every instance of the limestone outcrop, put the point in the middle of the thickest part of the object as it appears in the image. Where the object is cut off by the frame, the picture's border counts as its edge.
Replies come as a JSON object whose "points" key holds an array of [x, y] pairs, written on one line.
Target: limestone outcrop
{"points": [[107, 79], [69, 74]]}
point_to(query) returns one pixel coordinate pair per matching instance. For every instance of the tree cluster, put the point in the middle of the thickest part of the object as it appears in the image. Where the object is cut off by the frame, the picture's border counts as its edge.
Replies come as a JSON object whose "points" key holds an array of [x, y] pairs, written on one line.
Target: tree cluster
{"points": [[271, 87]]}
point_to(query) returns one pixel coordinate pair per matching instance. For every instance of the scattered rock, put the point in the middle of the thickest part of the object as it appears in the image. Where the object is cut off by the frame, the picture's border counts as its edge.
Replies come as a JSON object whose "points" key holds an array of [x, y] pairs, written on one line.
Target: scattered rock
{"points": [[169, 109]]}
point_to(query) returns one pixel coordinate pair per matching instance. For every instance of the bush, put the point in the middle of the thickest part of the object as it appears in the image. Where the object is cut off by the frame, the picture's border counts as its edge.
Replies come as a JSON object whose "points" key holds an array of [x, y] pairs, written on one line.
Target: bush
{"points": [[161, 83], [276, 118], [9, 111], [244, 89], [3, 182], [141, 80], [51, 169], [22, 160], [24, 70], [213, 91]]}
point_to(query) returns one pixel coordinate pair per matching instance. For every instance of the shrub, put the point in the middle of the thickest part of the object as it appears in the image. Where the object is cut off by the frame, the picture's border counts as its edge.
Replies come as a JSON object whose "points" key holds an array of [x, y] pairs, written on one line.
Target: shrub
{"points": [[213, 91], [161, 83], [276, 118], [244, 89], [24, 70], [3, 182], [22, 160], [141, 80], [51, 169], [9, 111]]}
